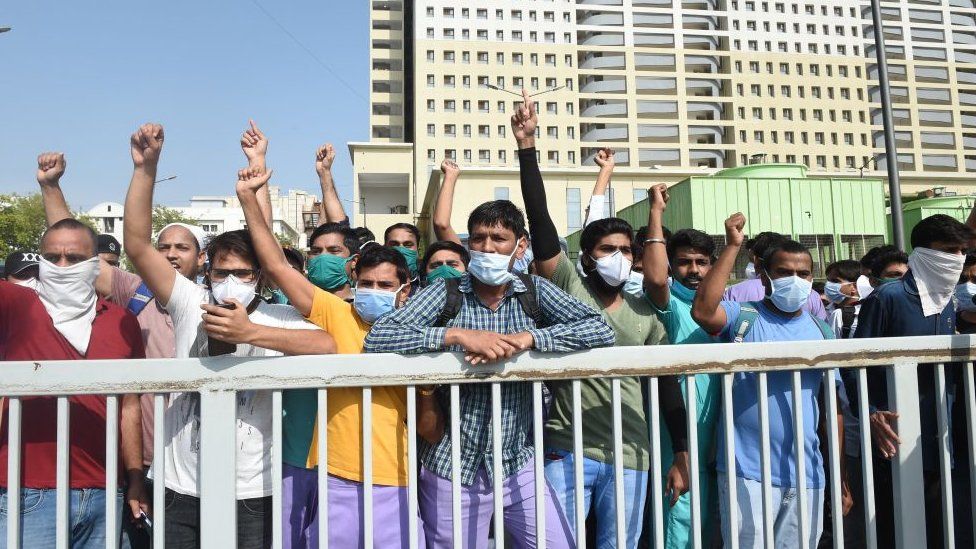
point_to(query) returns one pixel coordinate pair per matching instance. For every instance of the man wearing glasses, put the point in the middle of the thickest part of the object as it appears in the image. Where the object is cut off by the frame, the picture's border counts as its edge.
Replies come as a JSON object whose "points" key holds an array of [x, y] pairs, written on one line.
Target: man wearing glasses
{"points": [[223, 317]]}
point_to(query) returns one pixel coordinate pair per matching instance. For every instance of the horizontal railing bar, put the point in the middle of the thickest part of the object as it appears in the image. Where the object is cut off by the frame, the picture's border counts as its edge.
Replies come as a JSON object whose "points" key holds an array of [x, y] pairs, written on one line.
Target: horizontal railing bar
{"points": [[217, 374]]}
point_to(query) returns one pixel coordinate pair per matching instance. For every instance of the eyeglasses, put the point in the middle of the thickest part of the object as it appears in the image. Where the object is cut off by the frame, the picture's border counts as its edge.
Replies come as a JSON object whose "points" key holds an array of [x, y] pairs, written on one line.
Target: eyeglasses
{"points": [[244, 275]]}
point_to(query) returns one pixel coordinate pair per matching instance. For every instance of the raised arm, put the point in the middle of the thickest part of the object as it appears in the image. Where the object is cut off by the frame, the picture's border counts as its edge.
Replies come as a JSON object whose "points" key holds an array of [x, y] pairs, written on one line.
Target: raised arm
{"points": [[707, 309], [146, 145], [445, 203], [597, 208], [655, 259], [299, 290], [545, 239], [255, 147], [330, 209]]}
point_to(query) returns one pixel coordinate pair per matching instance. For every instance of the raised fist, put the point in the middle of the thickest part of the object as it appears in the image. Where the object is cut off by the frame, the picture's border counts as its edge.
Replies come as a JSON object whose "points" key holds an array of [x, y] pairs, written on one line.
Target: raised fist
{"points": [[525, 119], [604, 158], [450, 168], [254, 143], [251, 179], [734, 226], [658, 195], [324, 158], [50, 168], [146, 145]]}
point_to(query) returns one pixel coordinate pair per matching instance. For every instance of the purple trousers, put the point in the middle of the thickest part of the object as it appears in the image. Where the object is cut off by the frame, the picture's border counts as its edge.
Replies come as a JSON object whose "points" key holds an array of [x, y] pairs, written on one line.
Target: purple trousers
{"points": [[477, 506], [300, 526]]}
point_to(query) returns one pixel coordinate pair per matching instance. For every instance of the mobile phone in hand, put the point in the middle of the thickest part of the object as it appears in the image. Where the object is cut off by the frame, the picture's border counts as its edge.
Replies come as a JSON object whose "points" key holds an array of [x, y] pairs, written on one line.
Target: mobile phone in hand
{"points": [[215, 347]]}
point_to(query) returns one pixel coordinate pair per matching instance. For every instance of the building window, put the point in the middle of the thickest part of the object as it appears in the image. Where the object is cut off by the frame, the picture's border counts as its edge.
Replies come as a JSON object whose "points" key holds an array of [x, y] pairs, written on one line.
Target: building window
{"points": [[574, 210], [484, 155], [501, 193]]}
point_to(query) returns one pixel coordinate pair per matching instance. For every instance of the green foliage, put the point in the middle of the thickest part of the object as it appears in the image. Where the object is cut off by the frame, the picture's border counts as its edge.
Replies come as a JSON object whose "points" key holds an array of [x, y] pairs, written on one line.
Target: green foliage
{"points": [[162, 216], [22, 222], [285, 240]]}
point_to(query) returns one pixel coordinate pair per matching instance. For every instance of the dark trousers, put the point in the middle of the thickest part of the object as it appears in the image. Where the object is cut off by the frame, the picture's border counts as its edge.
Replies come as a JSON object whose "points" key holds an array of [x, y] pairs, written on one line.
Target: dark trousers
{"points": [[134, 536], [854, 531], [183, 522]]}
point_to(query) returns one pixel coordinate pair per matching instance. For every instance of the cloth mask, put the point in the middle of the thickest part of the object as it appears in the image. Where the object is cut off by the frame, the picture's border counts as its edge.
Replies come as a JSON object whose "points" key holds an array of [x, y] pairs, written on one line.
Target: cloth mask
{"points": [[410, 256], [751, 271], [833, 292], [328, 272], [635, 284], [936, 275], [68, 296], [31, 283], [371, 304], [964, 296], [445, 272], [233, 288], [790, 293], [492, 269], [682, 292], [613, 268]]}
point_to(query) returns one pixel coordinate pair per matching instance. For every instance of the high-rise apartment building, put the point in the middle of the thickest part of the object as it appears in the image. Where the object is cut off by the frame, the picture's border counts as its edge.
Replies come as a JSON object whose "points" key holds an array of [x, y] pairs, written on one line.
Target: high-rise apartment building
{"points": [[675, 87]]}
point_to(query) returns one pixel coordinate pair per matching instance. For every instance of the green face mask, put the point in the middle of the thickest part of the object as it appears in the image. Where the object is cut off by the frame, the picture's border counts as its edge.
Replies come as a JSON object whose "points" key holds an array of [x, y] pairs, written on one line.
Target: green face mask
{"points": [[278, 297], [411, 257], [887, 280], [444, 271], [328, 271]]}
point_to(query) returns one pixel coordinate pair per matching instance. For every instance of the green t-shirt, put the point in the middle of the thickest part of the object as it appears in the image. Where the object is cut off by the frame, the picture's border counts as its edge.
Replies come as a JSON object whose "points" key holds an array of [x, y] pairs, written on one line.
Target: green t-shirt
{"points": [[634, 324]]}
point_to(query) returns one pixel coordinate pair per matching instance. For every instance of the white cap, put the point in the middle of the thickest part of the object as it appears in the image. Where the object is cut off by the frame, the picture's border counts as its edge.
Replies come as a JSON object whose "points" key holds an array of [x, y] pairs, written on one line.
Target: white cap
{"points": [[196, 231]]}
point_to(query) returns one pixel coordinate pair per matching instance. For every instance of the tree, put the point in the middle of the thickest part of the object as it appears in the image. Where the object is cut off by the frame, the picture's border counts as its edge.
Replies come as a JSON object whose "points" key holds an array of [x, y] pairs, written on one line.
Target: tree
{"points": [[22, 222], [162, 216]]}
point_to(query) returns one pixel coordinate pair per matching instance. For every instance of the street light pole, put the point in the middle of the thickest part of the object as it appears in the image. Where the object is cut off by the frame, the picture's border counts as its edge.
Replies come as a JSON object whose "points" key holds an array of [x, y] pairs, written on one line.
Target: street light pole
{"points": [[891, 151]]}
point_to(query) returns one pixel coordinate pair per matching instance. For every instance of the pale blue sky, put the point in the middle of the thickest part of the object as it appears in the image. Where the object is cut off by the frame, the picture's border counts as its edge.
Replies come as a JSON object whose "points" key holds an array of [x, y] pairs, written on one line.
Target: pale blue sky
{"points": [[80, 76]]}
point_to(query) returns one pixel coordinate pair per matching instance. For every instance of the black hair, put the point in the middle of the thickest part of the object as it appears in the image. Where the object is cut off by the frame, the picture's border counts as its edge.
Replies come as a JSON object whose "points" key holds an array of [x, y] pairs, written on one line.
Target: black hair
{"points": [[295, 258], [886, 255], [940, 228], [373, 256], [237, 242], [845, 269], [819, 287], [750, 242], [445, 245], [72, 224], [405, 226], [868, 258], [691, 238], [600, 228], [667, 233], [349, 238], [364, 235], [764, 241], [970, 260], [498, 212], [784, 245]]}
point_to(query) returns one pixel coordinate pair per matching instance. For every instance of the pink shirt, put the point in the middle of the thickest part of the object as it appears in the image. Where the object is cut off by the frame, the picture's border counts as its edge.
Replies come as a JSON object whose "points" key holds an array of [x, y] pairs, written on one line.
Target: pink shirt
{"points": [[159, 339]]}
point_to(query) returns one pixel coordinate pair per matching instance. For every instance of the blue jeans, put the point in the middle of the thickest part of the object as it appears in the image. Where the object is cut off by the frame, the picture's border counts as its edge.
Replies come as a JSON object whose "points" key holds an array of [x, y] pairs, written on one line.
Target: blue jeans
{"points": [[786, 506], [38, 528], [598, 492]]}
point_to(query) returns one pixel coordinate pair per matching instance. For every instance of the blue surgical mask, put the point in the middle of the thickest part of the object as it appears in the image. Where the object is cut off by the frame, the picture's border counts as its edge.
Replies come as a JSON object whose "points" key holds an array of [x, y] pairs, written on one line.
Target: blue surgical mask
{"points": [[964, 296], [833, 292], [371, 304], [491, 269], [635, 284], [682, 292], [790, 293]]}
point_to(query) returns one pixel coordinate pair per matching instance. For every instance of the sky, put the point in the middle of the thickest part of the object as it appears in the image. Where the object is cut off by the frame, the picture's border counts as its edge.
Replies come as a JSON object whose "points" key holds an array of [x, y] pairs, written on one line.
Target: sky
{"points": [[79, 77]]}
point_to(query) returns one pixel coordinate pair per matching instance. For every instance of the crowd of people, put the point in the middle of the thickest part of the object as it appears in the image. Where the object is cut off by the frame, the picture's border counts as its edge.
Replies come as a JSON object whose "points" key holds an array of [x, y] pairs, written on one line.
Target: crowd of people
{"points": [[510, 288]]}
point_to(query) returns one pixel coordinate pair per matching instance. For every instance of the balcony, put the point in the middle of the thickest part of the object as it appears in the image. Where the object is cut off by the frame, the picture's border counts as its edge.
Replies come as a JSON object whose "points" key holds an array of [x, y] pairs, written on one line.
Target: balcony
{"points": [[693, 42], [703, 87], [594, 108], [652, 62], [647, 40], [704, 158], [600, 38], [705, 64], [650, 158], [603, 84], [654, 20], [603, 133], [604, 61], [655, 133], [706, 111], [649, 85], [600, 18], [707, 135], [701, 22], [667, 110]]}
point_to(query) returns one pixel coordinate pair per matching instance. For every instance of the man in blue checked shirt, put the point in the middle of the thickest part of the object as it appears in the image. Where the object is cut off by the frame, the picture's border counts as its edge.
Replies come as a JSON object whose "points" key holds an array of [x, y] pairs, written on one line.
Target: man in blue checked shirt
{"points": [[490, 314]]}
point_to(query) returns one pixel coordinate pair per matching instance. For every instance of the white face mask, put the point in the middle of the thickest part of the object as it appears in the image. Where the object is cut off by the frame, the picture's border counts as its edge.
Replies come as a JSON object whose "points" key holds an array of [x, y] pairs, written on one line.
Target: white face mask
{"points": [[232, 288], [864, 287], [28, 283], [936, 275], [68, 296], [490, 268], [614, 269]]}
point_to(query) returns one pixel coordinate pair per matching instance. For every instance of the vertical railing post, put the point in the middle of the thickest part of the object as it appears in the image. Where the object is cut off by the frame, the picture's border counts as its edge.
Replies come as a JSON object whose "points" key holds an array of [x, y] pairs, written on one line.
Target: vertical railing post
{"points": [[656, 521], [63, 497], [945, 456], [112, 471], [541, 486], [13, 473], [906, 467], [277, 468], [833, 451], [218, 469], [412, 489], [159, 471], [322, 449]]}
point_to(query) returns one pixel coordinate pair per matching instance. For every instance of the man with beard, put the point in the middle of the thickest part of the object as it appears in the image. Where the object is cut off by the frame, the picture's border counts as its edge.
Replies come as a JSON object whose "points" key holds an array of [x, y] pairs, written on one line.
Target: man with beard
{"points": [[690, 254], [606, 259], [66, 320]]}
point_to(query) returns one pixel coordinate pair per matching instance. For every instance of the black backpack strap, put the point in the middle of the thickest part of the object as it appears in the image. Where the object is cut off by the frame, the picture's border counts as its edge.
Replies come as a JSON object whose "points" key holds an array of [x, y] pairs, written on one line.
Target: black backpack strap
{"points": [[452, 302], [529, 300], [847, 320]]}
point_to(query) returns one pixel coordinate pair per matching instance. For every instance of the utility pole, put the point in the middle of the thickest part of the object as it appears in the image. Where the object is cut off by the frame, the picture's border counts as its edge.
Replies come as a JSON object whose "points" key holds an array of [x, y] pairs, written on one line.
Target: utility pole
{"points": [[891, 151]]}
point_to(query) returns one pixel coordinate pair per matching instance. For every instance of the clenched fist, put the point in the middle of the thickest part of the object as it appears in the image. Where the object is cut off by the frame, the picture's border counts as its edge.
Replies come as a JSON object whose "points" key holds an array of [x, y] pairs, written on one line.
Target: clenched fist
{"points": [[146, 145], [734, 226], [50, 168], [604, 158], [324, 157], [658, 195], [450, 169]]}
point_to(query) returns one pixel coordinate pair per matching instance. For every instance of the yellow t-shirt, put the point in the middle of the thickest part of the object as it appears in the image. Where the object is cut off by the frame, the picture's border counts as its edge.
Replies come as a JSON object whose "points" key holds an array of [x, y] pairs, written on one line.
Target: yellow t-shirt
{"points": [[345, 430]]}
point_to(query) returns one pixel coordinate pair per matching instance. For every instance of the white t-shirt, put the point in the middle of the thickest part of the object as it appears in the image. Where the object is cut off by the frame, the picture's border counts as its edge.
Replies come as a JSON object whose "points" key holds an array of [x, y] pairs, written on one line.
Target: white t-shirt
{"points": [[254, 411]]}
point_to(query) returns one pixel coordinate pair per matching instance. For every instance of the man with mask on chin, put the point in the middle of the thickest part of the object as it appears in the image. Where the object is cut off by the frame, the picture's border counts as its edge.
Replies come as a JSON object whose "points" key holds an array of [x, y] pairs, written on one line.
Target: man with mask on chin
{"points": [[21, 268], [489, 314], [787, 275], [182, 247], [689, 253], [66, 320], [383, 284], [919, 303], [225, 317], [606, 257]]}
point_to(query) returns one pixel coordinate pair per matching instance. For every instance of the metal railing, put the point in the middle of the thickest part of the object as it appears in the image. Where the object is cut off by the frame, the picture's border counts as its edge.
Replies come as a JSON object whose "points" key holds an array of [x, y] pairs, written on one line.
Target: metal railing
{"points": [[218, 379]]}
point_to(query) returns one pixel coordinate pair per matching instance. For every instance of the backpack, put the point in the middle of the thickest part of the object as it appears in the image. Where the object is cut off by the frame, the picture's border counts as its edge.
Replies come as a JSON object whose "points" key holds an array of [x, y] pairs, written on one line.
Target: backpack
{"points": [[847, 315], [750, 312], [454, 298], [140, 299]]}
